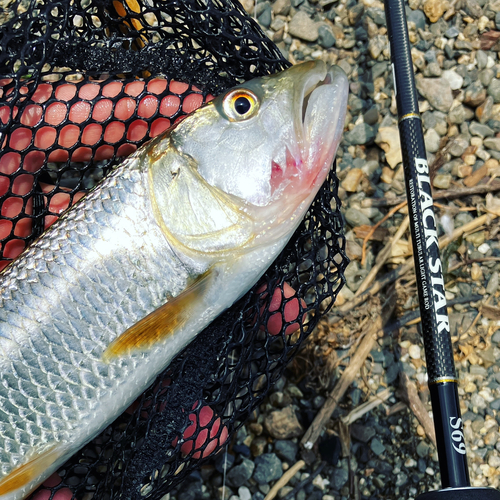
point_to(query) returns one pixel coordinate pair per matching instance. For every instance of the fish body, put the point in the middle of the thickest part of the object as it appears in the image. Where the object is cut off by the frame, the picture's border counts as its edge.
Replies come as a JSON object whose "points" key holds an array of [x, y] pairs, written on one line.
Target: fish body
{"points": [[97, 307]]}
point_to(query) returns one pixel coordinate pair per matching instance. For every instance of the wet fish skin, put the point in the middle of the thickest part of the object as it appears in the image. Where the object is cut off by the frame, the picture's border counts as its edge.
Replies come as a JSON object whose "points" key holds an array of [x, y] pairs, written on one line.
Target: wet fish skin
{"points": [[134, 246]]}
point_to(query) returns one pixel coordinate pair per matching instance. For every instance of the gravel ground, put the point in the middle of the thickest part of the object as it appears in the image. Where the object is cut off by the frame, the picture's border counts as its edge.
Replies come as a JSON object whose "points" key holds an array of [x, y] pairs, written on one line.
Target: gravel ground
{"points": [[386, 453]]}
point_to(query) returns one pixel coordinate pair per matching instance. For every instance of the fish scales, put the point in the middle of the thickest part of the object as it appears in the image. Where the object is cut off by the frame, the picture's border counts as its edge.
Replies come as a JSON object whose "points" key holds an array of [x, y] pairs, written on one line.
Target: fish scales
{"points": [[42, 340], [103, 301]]}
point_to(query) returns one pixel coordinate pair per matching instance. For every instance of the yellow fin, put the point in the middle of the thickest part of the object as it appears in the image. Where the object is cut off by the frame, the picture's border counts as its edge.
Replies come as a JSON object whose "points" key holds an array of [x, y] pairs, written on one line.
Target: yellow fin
{"points": [[25, 473], [161, 323]]}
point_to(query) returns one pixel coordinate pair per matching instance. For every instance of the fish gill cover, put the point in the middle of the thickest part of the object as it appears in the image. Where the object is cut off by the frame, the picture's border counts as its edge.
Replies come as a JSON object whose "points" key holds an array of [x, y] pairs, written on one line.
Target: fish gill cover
{"points": [[82, 84]]}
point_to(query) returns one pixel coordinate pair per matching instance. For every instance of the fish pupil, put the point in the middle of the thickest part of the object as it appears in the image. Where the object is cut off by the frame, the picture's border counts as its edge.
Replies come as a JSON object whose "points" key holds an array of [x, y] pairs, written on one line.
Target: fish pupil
{"points": [[242, 105]]}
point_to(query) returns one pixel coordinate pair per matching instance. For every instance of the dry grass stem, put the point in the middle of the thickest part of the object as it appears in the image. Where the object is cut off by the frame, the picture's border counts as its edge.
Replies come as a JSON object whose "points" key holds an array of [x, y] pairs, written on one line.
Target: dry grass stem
{"points": [[370, 333], [373, 402], [383, 256], [283, 480], [410, 395], [374, 228]]}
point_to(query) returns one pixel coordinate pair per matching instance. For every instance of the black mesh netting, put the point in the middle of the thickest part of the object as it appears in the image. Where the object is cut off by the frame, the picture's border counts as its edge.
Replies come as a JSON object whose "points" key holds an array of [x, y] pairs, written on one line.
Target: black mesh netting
{"points": [[84, 83]]}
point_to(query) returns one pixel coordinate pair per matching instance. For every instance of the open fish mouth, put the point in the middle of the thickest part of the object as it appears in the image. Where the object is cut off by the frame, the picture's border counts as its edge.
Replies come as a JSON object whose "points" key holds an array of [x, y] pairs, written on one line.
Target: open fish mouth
{"points": [[319, 99], [323, 97], [308, 92]]}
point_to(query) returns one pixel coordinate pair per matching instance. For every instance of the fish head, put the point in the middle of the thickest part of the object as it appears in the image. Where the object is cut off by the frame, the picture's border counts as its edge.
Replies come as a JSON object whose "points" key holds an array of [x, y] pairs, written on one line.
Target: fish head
{"points": [[272, 136], [268, 144]]}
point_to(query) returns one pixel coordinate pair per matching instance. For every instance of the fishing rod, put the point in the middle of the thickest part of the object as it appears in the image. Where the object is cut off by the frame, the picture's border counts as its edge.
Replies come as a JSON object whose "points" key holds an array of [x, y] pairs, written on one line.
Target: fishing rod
{"points": [[443, 384]]}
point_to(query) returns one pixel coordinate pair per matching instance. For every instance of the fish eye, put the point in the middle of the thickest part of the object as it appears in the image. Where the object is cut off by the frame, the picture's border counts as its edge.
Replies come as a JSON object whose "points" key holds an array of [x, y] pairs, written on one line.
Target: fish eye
{"points": [[240, 104]]}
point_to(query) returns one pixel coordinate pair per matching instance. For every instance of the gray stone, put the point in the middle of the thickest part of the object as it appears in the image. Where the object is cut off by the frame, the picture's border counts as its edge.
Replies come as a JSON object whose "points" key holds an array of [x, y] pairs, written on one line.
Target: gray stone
{"points": [[355, 12], [265, 16], [338, 478], [377, 447], [326, 38], [287, 450], [409, 369], [224, 461], [486, 76], [267, 468], [484, 110], [281, 7], [475, 94], [318, 402], [437, 91], [376, 45], [356, 104], [391, 373], [433, 69], [417, 17], [303, 27], [478, 370], [497, 20], [463, 45], [240, 474], [277, 24], [423, 449], [362, 433], [356, 218], [494, 90], [481, 59], [452, 32], [360, 134], [401, 479], [495, 405], [458, 145], [477, 401], [377, 355], [468, 415], [244, 493], [492, 285], [473, 8], [371, 116], [432, 140], [492, 143], [378, 69], [480, 130], [496, 337], [377, 15], [453, 78], [457, 115]]}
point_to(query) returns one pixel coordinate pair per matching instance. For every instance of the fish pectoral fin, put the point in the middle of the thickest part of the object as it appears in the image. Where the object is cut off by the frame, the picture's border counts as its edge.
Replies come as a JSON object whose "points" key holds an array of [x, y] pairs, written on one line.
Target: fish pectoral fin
{"points": [[161, 323], [29, 471]]}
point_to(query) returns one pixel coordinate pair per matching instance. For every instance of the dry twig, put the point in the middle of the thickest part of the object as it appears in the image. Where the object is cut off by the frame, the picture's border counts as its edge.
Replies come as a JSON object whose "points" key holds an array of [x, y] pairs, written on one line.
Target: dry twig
{"points": [[379, 284], [372, 402], [374, 228], [370, 335], [383, 256], [283, 480], [410, 395]]}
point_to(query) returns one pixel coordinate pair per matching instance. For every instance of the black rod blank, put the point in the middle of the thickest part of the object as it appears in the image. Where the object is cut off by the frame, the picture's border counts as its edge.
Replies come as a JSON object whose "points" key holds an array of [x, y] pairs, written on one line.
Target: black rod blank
{"points": [[428, 268]]}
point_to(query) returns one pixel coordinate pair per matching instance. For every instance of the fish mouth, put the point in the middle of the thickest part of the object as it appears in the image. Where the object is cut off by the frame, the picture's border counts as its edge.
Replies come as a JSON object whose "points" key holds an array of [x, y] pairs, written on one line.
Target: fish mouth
{"points": [[308, 91], [320, 100]]}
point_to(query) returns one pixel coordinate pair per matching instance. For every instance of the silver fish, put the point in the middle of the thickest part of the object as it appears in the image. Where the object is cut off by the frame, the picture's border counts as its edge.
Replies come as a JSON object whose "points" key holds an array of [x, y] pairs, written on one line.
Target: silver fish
{"points": [[98, 306]]}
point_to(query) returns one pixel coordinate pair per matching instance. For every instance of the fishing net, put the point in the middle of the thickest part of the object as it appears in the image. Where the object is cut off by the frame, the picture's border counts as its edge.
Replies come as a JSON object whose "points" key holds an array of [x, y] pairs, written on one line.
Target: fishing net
{"points": [[83, 83]]}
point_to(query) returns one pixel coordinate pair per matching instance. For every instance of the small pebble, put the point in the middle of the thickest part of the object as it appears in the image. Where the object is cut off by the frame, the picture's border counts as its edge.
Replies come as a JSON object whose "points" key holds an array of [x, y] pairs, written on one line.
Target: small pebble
{"points": [[414, 351]]}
